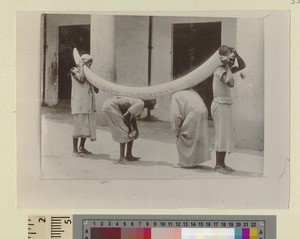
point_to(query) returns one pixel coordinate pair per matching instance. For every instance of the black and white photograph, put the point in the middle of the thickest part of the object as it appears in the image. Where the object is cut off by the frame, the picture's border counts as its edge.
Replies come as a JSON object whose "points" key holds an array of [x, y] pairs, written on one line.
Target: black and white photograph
{"points": [[213, 122], [184, 102]]}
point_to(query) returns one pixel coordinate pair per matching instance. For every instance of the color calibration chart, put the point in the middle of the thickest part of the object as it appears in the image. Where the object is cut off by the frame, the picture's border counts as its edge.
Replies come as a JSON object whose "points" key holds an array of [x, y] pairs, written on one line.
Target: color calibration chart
{"points": [[153, 227]]}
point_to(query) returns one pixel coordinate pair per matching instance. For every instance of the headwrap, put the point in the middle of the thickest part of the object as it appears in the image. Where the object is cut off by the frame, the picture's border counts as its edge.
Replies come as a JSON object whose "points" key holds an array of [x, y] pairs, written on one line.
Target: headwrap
{"points": [[86, 58], [224, 50]]}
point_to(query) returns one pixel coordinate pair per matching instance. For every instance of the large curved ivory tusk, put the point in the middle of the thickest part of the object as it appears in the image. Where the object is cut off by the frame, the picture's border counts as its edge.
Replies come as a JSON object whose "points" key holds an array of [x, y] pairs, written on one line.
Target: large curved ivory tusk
{"points": [[151, 92]]}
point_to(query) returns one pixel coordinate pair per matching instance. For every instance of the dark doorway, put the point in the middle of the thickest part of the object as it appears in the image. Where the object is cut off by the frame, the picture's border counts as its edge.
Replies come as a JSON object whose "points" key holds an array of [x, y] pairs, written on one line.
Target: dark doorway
{"points": [[193, 44], [69, 37]]}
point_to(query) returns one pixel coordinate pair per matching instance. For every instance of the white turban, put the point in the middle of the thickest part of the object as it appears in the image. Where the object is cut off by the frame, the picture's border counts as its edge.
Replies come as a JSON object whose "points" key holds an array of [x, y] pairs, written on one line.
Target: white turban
{"points": [[86, 58]]}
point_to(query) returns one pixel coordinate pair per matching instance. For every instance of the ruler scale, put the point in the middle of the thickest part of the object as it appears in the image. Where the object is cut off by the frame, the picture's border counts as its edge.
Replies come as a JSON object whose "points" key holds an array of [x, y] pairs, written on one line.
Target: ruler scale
{"points": [[50, 227], [151, 227]]}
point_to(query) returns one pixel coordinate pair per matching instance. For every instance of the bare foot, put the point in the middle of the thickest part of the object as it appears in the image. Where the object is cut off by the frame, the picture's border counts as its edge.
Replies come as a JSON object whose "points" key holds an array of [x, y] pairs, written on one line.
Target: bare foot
{"points": [[176, 165], [84, 151], [77, 154], [124, 161], [223, 170], [229, 169], [132, 158], [181, 166]]}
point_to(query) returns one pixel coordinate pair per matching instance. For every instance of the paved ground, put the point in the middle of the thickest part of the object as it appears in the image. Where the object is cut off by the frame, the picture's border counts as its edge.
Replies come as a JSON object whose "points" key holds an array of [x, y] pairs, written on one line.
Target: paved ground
{"points": [[156, 147]]}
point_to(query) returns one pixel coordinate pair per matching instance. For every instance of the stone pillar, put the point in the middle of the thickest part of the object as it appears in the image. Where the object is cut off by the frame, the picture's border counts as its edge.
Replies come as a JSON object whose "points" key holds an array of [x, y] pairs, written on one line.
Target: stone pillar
{"points": [[102, 51]]}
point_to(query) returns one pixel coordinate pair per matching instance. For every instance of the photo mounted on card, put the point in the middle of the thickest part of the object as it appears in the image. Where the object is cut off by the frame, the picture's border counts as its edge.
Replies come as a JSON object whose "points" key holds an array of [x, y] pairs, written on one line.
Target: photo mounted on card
{"points": [[156, 110]]}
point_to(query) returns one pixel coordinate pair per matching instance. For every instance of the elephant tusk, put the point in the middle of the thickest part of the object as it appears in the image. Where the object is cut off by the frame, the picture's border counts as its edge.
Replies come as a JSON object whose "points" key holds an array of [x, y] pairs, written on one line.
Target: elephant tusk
{"points": [[152, 92]]}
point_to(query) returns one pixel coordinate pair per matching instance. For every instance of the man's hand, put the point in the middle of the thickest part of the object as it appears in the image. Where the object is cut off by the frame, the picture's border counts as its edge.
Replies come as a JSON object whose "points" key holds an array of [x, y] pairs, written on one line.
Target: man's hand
{"points": [[80, 63], [136, 134], [230, 83], [96, 90], [224, 60]]}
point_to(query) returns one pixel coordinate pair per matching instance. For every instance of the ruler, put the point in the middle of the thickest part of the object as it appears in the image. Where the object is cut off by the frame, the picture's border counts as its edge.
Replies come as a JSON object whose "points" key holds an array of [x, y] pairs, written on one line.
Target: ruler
{"points": [[150, 226], [50, 227]]}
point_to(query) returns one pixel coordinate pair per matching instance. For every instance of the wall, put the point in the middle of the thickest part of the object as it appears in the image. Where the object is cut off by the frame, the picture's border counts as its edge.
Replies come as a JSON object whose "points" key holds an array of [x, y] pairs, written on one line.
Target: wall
{"points": [[102, 50], [248, 93], [131, 50], [51, 67]]}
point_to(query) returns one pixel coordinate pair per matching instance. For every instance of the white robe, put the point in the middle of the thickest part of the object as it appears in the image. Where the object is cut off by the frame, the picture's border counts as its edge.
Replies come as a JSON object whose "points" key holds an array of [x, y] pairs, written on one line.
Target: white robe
{"points": [[188, 117], [83, 107], [221, 111], [115, 118]]}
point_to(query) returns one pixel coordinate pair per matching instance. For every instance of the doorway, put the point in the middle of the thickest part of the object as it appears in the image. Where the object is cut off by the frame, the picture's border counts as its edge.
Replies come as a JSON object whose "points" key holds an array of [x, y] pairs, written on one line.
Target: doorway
{"points": [[69, 37], [193, 44]]}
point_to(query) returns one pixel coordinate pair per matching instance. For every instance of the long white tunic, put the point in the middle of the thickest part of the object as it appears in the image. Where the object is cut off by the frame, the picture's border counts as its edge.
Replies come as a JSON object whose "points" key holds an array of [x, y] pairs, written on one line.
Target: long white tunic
{"points": [[82, 95], [221, 111], [83, 107], [188, 117]]}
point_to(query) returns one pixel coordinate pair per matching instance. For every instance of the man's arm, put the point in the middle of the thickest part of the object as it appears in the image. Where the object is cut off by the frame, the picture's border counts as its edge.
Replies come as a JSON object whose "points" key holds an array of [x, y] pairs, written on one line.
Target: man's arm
{"points": [[227, 77], [241, 63], [127, 120], [75, 73], [134, 126], [81, 73]]}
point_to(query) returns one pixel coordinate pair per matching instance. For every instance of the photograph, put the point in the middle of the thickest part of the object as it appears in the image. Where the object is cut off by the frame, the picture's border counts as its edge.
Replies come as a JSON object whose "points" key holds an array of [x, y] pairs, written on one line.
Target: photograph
{"points": [[150, 118], [148, 106], [161, 97]]}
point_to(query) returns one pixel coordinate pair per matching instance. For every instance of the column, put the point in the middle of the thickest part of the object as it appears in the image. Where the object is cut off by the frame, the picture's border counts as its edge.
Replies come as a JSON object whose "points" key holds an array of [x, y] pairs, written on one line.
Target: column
{"points": [[102, 50]]}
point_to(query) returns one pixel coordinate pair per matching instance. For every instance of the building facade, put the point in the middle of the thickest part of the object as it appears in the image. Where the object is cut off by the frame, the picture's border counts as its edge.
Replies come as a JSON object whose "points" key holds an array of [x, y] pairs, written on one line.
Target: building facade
{"points": [[143, 50]]}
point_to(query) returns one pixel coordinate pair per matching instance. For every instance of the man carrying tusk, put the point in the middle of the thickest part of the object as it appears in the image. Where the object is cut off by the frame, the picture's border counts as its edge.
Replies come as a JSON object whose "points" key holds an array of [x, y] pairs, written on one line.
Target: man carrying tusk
{"points": [[83, 106], [221, 108], [121, 115]]}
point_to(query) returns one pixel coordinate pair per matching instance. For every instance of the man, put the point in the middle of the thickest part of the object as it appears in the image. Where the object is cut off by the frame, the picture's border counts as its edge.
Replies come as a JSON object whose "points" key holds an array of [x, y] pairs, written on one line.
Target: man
{"points": [[83, 107], [121, 115], [221, 109], [188, 117]]}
